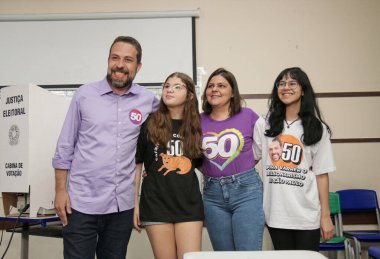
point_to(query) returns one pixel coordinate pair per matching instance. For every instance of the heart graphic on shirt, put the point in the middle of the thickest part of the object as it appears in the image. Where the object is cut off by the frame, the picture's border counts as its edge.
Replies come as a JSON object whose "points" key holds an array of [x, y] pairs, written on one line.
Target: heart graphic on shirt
{"points": [[223, 147]]}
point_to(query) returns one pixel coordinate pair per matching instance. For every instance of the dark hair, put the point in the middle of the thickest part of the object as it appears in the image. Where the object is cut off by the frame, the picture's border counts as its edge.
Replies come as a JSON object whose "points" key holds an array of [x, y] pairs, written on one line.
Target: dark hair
{"points": [[309, 112], [236, 101], [133, 42], [160, 125]]}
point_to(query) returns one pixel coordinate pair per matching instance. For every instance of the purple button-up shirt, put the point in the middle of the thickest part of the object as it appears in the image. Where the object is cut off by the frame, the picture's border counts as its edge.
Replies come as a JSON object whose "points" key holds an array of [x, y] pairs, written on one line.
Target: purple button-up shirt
{"points": [[98, 145]]}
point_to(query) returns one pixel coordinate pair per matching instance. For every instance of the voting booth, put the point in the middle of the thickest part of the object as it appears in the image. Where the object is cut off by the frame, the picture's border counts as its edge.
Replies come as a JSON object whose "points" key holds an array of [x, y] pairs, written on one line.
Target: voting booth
{"points": [[30, 122]]}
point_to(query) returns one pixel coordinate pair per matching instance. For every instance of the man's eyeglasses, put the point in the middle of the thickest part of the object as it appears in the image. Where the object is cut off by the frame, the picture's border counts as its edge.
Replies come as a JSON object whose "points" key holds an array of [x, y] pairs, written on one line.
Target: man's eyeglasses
{"points": [[176, 87], [291, 84]]}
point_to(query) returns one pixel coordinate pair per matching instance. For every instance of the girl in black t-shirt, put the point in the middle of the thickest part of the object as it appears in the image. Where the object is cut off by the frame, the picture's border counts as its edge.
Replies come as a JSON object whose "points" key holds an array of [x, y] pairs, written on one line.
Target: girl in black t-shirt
{"points": [[169, 146]]}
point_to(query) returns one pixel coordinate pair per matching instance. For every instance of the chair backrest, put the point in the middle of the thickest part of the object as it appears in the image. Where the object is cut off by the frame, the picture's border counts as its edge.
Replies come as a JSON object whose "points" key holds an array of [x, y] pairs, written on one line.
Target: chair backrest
{"points": [[334, 205], [356, 200], [359, 200]]}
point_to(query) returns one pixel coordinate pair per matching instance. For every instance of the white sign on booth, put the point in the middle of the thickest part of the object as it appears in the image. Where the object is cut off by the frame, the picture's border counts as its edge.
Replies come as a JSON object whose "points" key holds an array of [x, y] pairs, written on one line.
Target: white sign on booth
{"points": [[14, 139]]}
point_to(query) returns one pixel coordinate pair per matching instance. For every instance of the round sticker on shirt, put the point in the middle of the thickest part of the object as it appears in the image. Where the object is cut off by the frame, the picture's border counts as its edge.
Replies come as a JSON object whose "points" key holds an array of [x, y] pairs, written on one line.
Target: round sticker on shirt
{"points": [[135, 116], [286, 150]]}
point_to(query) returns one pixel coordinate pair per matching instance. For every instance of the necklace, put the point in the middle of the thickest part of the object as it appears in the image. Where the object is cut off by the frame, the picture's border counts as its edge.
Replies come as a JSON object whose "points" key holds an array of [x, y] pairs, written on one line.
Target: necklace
{"points": [[290, 124]]}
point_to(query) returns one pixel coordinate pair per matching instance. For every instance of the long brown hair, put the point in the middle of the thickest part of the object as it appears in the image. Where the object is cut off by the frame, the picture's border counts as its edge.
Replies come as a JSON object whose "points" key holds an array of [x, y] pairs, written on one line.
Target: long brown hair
{"points": [[160, 125]]}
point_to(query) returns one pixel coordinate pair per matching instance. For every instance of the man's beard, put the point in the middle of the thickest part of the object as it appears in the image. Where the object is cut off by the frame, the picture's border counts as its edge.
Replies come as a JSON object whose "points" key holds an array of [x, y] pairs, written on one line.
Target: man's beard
{"points": [[118, 83]]}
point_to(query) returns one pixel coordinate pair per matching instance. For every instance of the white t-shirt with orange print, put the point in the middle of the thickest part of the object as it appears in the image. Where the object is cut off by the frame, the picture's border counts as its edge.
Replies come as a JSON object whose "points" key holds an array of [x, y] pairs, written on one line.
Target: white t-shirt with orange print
{"points": [[291, 199]]}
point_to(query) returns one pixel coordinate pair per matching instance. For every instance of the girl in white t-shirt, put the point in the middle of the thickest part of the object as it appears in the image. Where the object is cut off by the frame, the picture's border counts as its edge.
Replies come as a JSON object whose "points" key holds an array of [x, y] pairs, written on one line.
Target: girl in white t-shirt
{"points": [[294, 144]]}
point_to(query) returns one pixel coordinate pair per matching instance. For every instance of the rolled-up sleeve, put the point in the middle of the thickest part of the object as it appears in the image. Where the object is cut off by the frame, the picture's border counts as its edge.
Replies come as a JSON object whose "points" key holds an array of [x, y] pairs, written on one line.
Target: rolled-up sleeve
{"points": [[64, 152]]}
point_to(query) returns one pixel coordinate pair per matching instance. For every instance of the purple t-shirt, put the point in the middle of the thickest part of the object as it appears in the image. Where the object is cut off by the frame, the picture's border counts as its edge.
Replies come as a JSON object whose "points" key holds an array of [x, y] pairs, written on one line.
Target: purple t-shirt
{"points": [[227, 144], [98, 145]]}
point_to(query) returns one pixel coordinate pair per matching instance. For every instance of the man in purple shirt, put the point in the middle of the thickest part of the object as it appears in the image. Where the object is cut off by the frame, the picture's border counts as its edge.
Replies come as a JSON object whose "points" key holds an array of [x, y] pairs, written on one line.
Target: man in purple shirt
{"points": [[95, 158]]}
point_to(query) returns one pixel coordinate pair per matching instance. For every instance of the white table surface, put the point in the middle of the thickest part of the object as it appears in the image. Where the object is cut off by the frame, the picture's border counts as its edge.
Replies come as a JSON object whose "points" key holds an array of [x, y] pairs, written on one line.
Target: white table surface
{"points": [[255, 255]]}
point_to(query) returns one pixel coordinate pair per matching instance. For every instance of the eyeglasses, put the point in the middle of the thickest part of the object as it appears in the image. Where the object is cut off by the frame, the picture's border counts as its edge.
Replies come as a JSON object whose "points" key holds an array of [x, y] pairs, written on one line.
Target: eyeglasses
{"points": [[176, 87], [291, 84]]}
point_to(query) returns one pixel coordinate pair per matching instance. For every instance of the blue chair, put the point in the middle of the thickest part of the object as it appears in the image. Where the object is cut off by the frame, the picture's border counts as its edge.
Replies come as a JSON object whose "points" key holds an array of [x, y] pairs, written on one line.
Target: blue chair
{"points": [[338, 242], [357, 201], [374, 252]]}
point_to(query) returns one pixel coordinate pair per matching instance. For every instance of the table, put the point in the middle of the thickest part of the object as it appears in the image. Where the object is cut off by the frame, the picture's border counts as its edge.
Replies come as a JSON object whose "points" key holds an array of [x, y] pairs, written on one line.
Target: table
{"points": [[34, 226], [299, 254]]}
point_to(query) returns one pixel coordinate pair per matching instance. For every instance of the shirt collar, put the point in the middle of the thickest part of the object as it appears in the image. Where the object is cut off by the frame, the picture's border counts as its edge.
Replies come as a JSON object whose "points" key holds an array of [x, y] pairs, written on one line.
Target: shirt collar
{"points": [[105, 88]]}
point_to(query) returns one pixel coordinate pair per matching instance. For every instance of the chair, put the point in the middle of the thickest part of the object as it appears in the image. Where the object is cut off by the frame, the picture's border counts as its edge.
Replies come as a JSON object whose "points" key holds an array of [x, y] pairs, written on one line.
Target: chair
{"points": [[338, 242], [374, 252], [357, 201]]}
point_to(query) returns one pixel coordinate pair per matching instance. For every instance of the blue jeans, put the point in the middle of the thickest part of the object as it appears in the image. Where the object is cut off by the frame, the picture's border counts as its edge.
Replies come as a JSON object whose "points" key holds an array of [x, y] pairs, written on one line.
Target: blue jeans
{"points": [[234, 211], [107, 235]]}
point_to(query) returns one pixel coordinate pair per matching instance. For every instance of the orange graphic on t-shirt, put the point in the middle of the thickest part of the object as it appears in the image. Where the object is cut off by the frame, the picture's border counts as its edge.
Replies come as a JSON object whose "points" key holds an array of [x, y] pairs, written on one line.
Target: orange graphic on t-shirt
{"points": [[174, 163], [292, 152]]}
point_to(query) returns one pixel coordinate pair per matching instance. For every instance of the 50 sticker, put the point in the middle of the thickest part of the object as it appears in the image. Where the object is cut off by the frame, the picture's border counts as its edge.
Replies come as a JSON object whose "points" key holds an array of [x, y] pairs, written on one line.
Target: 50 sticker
{"points": [[135, 116]]}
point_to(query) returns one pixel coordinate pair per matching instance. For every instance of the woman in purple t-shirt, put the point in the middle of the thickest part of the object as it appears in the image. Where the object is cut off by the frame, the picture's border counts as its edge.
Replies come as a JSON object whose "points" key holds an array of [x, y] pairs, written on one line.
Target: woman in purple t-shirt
{"points": [[233, 190]]}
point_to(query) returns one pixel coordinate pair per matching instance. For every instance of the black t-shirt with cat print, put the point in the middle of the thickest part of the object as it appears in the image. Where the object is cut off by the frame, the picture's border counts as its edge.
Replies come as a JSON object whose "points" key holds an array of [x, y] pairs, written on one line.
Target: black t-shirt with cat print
{"points": [[170, 191]]}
